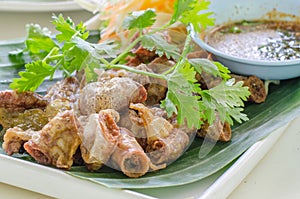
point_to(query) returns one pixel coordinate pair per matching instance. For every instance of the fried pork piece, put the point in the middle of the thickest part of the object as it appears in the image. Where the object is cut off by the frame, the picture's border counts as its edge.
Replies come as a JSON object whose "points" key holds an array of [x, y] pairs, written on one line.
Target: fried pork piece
{"points": [[99, 138], [34, 119], [56, 106], [156, 127], [129, 157], [157, 91], [15, 138], [167, 149], [161, 64], [156, 88], [66, 89], [129, 119], [218, 131], [57, 142], [134, 124], [115, 93], [142, 55], [165, 143], [198, 54], [22, 100], [21, 109]]}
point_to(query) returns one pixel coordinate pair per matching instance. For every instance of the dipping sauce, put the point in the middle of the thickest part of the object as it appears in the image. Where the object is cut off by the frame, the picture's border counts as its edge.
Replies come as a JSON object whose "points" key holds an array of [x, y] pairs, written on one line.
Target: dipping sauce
{"points": [[258, 40]]}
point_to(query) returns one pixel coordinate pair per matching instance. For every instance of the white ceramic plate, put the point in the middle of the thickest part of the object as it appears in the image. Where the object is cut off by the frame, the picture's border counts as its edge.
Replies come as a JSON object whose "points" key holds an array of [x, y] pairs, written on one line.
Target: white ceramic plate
{"points": [[39, 5]]}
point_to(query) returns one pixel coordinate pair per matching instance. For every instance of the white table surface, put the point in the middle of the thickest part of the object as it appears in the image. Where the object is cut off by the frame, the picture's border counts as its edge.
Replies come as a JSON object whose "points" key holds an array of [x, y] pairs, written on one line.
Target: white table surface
{"points": [[277, 175]]}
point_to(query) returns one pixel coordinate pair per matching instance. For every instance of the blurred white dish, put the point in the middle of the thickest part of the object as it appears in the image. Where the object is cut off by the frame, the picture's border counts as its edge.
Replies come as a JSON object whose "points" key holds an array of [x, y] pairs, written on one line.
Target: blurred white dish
{"points": [[39, 5]]}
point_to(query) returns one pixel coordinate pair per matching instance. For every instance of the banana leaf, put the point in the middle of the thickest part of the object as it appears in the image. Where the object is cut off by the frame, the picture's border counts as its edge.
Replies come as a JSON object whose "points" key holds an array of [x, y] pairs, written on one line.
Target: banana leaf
{"points": [[281, 106]]}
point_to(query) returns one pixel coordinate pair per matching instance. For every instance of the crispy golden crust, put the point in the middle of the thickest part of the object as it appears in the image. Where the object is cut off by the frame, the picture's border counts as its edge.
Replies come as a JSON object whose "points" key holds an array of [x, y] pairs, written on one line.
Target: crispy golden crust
{"points": [[129, 156], [99, 138], [57, 142], [14, 139], [115, 94], [218, 131], [165, 143], [24, 100]]}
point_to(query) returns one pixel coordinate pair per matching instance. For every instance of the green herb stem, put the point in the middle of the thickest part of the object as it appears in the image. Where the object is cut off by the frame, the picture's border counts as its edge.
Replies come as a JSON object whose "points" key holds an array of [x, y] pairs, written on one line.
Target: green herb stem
{"points": [[55, 57], [170, 70], [104, 61], [49, 55], [127, 49], [186, 46], [164, 27], [76, 34]]}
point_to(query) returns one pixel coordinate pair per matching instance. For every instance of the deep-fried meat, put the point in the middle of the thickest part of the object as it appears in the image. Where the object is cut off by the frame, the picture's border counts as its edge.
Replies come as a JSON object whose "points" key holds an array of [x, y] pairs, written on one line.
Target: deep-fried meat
{"points": [[22, 100], [66, 89], [129, 156], [99, 138], [33, 119], [165, 143], [15, 138], [167, 149], [218, 131], [57, 142], [115, 94]]}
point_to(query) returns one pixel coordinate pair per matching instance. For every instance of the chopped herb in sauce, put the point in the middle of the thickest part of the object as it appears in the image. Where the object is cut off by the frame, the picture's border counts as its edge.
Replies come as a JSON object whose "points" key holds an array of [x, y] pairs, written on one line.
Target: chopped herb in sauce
{"points": [[286, 47], [258, 40]]}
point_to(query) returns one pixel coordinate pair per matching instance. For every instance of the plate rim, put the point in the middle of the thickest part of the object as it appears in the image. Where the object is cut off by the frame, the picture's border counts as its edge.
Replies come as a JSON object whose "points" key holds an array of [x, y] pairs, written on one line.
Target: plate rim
{"points": [[21, 6]]}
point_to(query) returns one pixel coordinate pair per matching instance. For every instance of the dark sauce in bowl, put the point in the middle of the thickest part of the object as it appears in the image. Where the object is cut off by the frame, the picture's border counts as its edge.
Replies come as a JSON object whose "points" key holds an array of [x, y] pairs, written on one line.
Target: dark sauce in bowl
{"points": [[257, 40]]}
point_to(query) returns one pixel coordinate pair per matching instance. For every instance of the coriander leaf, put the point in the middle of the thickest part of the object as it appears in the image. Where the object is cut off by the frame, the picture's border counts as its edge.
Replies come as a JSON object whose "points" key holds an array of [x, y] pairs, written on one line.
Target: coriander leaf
{"points": [[180, 98], [140, 19], [38, 40], [187, 71], [78, 54], [74, 58], [160, 45], [68, 29], [180, 7], [107, 49], [193, 13], [89, 71], [224, 71], [230, 93], [204, 65], [33, 77], [226, 99], [237, 114], [211, 67], [169, 104]]}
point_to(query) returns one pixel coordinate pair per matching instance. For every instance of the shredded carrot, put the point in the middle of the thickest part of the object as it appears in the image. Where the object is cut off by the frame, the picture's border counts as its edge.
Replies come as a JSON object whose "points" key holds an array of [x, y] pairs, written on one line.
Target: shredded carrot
{"points": [[160, 6], [116, 12]]}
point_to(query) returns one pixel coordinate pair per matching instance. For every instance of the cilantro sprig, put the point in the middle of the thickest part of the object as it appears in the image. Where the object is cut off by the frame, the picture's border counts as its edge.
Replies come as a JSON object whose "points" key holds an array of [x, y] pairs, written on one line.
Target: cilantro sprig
{"points": [[70, 52]]}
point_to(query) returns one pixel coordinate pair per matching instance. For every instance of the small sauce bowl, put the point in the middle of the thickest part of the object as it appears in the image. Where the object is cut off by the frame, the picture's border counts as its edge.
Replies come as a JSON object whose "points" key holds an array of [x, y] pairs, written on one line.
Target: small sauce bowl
{"points": [[249, 11], [267, 70]]}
